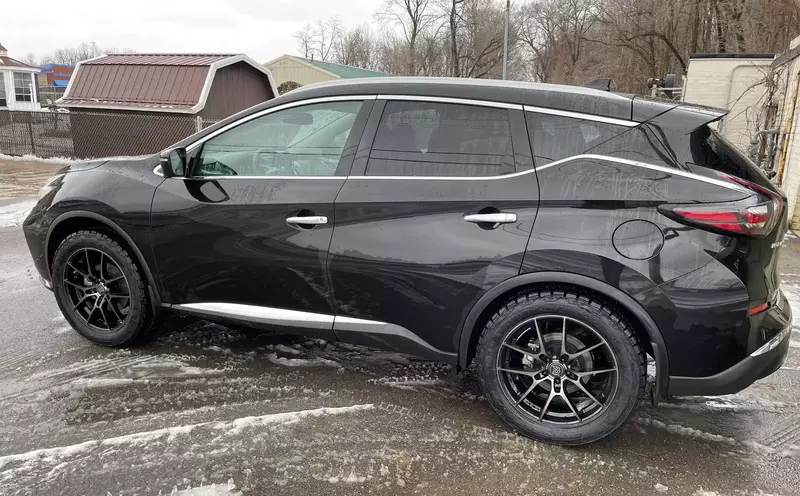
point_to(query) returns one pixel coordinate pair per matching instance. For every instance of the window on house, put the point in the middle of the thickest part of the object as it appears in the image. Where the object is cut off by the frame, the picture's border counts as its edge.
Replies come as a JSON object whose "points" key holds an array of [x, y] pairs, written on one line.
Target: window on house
{"points": [[3, 101], [441, 139], [23, 87]]}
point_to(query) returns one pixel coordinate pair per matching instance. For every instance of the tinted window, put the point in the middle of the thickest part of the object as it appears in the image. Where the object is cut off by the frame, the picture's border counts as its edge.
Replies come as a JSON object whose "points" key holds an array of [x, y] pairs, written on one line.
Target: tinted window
{"points": [[554, 137], [300, 141], [441, 139]]}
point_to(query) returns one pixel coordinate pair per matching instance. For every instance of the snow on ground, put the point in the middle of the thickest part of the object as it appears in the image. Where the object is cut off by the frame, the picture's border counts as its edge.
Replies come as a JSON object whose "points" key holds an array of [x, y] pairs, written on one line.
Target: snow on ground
{"points": [[233, 427], [34, 158], [13, 214], [228, 489], [792, 293]]}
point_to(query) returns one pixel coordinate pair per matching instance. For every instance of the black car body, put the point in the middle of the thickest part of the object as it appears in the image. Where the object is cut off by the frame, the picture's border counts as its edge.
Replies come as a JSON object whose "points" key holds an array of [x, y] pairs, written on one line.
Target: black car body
{"points": [[412, 210]]}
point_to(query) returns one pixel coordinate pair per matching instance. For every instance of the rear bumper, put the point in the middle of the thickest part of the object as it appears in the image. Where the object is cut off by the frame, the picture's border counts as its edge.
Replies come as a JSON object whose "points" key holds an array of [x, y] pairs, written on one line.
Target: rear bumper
{"points": [[760, 363]]}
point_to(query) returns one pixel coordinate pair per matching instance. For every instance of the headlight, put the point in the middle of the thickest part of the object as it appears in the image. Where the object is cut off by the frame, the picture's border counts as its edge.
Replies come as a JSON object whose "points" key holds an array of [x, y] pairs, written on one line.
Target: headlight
{"points": [[49, 185]]}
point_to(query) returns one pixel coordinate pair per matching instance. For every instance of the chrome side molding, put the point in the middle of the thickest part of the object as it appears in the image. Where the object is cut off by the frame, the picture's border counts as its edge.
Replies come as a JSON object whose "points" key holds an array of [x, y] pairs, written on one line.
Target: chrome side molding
{"points": [[308, 320], [264, 315]]}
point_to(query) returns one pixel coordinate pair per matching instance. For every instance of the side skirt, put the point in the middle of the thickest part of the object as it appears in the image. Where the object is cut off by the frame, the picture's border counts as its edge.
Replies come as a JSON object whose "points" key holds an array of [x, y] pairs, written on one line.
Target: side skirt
{"points": [[365, 332]]}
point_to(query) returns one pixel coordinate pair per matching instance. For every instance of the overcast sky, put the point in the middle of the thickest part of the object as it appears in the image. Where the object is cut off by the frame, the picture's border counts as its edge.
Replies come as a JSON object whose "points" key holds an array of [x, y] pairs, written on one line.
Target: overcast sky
{"points": [[260, 28]]}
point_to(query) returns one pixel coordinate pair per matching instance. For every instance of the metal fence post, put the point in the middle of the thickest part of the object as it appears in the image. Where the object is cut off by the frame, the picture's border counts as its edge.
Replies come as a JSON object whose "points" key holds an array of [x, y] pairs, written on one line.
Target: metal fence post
{"points": [[198, 124], [30, 131]]}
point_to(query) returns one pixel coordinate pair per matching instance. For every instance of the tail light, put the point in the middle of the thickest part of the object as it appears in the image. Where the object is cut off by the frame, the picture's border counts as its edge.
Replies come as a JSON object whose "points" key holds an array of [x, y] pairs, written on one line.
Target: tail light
{"points": [[733, 218]]}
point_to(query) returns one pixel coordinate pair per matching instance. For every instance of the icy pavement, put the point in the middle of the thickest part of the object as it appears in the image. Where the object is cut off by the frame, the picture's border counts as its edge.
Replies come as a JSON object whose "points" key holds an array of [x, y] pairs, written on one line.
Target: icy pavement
{"points": [[208, 410]]}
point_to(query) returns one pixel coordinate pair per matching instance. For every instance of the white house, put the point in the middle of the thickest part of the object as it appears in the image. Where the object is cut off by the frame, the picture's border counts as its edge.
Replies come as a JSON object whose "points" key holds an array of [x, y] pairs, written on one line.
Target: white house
{"points": [[17, 84]]}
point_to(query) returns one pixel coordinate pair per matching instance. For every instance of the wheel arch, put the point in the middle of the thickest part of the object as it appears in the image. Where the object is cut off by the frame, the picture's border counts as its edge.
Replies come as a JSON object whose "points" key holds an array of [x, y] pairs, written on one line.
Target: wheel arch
{"points": [[471, 328], [75, 220]]}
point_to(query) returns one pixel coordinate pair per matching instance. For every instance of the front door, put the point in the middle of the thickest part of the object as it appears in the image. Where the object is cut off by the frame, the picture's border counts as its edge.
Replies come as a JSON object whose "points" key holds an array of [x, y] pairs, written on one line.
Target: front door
{"points": [[438, 212], [245, 235]]}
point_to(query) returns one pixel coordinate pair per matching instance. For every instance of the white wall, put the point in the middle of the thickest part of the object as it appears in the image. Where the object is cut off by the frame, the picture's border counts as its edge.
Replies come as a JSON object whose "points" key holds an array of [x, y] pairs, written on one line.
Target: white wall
{"points": [[289, 69], [8, 77], [791, 173], [733, 84]]}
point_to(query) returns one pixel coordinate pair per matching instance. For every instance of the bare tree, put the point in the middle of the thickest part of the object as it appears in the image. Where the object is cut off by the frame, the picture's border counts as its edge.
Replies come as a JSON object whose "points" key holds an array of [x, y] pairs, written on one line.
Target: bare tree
{"points": [[30, 59], [327, 36], [356, 48], [413, 17], [304, 39]]}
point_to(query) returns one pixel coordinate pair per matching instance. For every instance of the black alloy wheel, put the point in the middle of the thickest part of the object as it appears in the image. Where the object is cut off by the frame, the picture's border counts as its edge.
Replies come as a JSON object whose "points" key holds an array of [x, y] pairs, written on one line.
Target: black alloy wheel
{"points": [[100, 290], [97, 289], [561, 366], [557, 369]]}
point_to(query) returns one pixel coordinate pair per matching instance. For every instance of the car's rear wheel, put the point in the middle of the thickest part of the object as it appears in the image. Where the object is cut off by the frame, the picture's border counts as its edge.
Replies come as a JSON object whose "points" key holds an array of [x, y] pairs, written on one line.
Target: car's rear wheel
{"points": [[560, 366], [99, 289]]}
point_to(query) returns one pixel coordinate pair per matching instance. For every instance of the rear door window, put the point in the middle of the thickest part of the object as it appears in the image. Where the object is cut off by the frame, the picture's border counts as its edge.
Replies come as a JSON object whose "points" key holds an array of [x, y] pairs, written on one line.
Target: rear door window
{"points": [[441, 139], [555, 137]]}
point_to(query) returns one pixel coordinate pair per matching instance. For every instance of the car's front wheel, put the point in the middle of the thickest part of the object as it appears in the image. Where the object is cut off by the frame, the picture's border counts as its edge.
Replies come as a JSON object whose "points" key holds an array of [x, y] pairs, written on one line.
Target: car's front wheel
{"points": [[100, 290], [560, 366]]}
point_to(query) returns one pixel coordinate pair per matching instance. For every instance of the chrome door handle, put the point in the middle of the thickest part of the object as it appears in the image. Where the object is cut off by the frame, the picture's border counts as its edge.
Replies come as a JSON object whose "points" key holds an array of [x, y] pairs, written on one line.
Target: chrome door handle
{"points": [[312, 220], [498, 218]]}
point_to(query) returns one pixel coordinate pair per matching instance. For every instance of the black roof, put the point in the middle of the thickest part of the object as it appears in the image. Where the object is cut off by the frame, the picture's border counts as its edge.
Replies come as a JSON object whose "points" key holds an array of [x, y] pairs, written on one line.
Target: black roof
{"points": [[556, 96], [567, 98]]}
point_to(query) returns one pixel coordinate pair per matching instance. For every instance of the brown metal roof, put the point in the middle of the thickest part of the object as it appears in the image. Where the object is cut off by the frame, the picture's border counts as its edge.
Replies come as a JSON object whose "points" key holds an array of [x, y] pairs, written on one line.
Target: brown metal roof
{"points": [[9, 62], [159, 59], [159, 82]]}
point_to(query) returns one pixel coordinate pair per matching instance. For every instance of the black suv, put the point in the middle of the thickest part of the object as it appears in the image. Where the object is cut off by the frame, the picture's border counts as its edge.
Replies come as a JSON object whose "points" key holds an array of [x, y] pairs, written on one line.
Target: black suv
{"points": [[554, 235]]}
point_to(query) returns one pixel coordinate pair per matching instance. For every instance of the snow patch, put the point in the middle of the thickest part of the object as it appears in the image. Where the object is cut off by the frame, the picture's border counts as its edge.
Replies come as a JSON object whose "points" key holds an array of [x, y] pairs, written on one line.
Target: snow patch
{"points": [[792, 293], [65, 160], [228, 489], [661, 488], [13, 214], [170, 433], [301, 362], [34, 158]]}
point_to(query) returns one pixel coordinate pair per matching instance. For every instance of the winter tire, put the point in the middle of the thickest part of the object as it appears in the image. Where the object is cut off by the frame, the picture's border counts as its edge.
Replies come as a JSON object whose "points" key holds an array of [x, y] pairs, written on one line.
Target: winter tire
{"points": [[560, 366]]}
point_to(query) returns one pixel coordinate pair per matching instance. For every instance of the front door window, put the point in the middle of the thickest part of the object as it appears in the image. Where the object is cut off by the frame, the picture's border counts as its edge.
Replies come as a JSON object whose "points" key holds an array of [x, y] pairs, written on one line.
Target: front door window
{"points": [[300, 141]]}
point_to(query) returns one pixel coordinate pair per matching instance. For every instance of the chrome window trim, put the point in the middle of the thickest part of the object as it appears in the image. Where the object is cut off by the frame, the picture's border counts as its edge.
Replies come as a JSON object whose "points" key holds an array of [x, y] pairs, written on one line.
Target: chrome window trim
{"points": [[660, 168], [279, 178], [457, 101], [634, 163], [270, 110], [581, 116]]}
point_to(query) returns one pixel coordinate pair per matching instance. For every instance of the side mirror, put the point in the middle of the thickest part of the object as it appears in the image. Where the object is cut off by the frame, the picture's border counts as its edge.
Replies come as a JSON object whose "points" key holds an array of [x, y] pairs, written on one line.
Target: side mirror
{"points": [[173, 162]]}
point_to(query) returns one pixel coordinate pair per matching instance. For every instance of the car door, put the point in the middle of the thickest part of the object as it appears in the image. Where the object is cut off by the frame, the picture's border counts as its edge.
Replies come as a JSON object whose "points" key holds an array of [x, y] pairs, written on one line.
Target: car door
{"points": [[437, 210], [245, 234]]}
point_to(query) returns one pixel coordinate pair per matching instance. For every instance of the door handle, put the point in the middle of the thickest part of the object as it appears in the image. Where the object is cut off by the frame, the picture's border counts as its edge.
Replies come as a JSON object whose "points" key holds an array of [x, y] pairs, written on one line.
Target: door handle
{"points": [[310, 220], [496, 218]]}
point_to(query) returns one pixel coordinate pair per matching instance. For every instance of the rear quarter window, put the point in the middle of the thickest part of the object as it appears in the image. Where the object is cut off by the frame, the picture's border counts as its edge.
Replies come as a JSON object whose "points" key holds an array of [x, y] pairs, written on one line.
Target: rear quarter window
{"points": [[555, 137]]}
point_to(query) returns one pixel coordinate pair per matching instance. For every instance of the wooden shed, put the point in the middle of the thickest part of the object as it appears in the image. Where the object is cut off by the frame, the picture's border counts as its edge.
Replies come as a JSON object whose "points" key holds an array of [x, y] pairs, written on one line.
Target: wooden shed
{"points": [[145, 102]]}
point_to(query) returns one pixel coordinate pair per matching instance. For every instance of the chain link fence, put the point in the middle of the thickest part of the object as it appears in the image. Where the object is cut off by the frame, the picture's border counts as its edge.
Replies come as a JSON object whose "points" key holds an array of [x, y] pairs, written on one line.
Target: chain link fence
{"points": [[84, 135]]}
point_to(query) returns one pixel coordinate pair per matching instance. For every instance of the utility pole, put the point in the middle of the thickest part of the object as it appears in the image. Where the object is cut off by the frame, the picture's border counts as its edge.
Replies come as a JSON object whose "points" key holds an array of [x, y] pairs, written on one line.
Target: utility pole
{"points": [[505, 41]]}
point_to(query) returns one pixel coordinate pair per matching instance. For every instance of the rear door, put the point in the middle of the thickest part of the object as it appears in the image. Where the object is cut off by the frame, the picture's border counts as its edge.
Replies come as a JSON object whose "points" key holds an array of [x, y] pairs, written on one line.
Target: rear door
{"points": [[437, 210], [246, 234]]}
